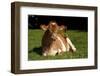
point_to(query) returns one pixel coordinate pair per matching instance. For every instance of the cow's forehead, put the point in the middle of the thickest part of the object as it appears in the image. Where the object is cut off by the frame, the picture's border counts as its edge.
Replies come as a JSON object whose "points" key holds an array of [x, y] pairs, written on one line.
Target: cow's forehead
{"points": [[53, 23]]}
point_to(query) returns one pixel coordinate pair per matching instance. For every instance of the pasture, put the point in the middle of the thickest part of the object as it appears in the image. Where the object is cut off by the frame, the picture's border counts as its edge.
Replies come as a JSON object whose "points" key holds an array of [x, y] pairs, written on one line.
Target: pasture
{"points": [[78, 38]]}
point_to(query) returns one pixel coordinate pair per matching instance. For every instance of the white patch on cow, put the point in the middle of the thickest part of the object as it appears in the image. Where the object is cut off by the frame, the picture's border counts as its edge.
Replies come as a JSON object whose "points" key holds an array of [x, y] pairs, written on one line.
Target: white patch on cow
{"points": [[63, 46], [44, 54], [53, 23]]}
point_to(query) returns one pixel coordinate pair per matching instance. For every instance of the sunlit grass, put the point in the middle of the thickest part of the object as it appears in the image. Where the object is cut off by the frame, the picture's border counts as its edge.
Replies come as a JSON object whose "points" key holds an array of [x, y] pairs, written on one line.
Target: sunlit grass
{"points": [[79, 39]]}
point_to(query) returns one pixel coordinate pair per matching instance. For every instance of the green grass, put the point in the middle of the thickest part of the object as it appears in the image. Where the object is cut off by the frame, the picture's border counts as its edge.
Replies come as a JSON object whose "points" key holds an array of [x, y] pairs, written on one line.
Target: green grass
{"points": [[79, 39]]}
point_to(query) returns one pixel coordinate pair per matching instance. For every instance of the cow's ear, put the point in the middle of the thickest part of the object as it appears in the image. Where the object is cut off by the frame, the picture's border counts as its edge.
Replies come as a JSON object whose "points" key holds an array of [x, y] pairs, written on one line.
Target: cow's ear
{"points": [[44, 27], [62, 27]]}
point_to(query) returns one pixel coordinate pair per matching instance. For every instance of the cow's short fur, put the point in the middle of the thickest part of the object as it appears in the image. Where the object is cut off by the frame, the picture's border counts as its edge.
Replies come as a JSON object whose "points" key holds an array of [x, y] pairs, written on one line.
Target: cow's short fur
{"points": [[54, 41]]}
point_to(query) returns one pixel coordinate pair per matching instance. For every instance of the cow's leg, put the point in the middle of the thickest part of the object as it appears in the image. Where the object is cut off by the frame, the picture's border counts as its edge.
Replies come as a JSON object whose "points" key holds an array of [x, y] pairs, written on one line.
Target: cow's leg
{"points": [[68, 47], [60, 51], [44, 53], [50, 53], [70, 44]]}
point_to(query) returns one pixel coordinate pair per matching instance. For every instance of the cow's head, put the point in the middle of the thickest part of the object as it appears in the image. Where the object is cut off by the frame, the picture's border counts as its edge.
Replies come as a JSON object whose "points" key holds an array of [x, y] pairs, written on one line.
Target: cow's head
{"points": [[53, 28]]}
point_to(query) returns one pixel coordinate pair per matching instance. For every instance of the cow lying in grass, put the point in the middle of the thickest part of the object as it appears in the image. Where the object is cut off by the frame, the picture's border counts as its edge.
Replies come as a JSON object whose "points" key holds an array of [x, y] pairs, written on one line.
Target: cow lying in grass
{"points": [[54, 41]]}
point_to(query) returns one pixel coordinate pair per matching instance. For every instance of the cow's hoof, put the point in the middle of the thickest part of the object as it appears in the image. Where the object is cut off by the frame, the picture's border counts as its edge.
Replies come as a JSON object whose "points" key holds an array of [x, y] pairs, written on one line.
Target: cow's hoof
{"points": [[44, 54], [74, 49]]}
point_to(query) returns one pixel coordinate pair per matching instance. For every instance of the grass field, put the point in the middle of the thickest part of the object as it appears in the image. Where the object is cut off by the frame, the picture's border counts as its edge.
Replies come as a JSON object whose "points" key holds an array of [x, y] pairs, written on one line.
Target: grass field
{"points": [[79, 39]]}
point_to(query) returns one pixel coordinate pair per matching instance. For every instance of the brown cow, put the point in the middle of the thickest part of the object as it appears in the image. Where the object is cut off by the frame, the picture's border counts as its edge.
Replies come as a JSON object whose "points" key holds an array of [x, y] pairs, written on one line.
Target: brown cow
{"points": [[53, 41]]}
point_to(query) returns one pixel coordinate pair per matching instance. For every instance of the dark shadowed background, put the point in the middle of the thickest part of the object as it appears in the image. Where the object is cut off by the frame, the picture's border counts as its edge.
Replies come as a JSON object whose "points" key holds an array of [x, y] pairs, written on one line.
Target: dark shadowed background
{"points": [[74, 23]]}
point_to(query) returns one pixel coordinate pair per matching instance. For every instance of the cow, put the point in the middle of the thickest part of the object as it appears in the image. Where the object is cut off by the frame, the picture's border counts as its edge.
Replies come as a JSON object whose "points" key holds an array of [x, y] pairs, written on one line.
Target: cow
{"points": [[54, 40]]}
